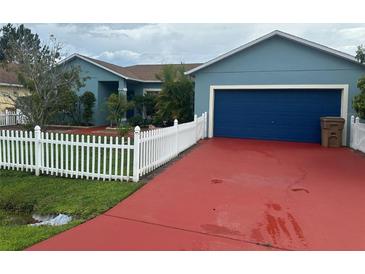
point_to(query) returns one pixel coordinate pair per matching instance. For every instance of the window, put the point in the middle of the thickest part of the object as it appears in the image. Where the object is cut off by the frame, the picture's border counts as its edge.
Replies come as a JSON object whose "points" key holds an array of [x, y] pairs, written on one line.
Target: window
{"points": [[151, 91]]}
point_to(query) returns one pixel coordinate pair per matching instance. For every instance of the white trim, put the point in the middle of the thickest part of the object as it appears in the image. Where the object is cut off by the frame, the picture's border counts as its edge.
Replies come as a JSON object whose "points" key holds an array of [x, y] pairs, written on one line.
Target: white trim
{"points": [[344, 99], [76, 55], [151, 89], [11, 85], [281, 34]]}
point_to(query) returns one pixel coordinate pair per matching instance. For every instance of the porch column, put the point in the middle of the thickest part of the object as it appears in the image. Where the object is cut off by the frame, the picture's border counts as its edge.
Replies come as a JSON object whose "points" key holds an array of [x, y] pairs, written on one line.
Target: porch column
{"points": [[123, 91]]}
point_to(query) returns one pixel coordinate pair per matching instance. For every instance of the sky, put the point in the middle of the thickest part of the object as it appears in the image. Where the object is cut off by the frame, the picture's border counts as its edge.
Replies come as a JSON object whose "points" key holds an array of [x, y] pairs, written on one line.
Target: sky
{"points": [[128, 44]]}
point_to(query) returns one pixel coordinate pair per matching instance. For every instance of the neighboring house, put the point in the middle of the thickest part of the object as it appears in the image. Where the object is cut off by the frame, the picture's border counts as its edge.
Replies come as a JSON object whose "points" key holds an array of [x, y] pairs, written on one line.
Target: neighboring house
{"points": [[105, 78], [10, 89], [276, 88]]}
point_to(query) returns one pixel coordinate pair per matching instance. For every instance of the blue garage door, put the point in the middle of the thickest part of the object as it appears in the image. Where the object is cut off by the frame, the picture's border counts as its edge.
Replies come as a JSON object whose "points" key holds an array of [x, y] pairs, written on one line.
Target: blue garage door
{"points": [[288, 115]]}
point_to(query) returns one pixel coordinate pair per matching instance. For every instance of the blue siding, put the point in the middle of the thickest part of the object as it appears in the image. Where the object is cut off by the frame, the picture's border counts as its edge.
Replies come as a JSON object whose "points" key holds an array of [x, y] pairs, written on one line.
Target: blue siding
{"points": [[103, 83], [95, 75], [277, 61], [289, 115], [136, 89]]}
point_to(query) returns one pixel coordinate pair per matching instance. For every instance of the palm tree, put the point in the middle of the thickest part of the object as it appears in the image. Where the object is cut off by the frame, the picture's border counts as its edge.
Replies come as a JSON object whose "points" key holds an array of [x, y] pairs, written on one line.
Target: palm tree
{"points": [[117, 107], [176, 99]]}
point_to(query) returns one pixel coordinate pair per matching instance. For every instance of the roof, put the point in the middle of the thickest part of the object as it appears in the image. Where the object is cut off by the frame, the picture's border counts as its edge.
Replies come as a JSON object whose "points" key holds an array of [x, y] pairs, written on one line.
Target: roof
{"points": [[118, 69], [279, 33], [148, 72], [141, 73], [8, 77]]}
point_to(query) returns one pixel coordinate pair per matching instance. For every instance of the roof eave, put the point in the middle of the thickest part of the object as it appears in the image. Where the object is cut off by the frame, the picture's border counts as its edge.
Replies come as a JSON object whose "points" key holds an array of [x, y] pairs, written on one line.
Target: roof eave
{"points": [[75, 55]]}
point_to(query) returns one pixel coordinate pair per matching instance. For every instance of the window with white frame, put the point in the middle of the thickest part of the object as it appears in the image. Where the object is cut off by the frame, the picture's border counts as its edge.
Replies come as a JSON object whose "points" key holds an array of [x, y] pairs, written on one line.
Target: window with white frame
{"points": [[151, 91]]}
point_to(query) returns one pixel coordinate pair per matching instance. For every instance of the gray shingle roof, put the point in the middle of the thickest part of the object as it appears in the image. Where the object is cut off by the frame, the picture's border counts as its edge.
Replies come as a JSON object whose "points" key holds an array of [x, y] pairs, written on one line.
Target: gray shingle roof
{"points": [[144, 73], [8, 77]]}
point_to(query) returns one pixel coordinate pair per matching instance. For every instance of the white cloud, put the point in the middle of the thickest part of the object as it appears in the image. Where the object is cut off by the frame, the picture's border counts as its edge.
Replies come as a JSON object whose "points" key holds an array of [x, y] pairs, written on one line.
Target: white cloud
{"points": [[127, 44], [119, 54], [355, 33]]}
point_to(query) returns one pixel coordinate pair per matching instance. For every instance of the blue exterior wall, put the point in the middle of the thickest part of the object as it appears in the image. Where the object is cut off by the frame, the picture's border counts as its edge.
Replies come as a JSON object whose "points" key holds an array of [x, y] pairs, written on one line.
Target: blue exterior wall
{"points": [[105, 89], [103, 83], [277, 61], [138, 87], [95, 75]]}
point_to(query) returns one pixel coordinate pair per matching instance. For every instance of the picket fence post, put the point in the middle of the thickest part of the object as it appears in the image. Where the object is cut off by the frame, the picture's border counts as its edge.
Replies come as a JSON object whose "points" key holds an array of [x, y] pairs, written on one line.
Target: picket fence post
{"points": [[352, 131], [176, 123], [18, 117], [205, 117], [6, 117], [356, 135], [37, 149], [137, 132], [196, 127]]}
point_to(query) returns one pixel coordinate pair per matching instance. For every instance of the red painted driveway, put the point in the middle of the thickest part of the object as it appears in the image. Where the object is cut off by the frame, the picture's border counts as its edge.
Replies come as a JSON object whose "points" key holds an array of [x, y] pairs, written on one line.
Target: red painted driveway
{"points": [[232, 194]]}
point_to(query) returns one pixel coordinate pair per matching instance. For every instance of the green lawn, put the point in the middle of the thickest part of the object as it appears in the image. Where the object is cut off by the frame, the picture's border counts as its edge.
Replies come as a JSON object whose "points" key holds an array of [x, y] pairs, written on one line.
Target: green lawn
{"points": [[22, 194]]}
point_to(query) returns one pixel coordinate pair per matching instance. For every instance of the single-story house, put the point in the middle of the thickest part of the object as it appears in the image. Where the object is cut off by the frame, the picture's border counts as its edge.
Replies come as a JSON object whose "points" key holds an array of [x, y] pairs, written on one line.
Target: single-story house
{"points": [[276, 88], [10, 89], [105, 78]]}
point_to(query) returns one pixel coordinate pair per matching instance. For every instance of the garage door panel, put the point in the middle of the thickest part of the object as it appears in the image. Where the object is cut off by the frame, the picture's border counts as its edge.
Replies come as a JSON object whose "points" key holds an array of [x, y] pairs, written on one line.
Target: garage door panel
{"points": [[291, 115]]}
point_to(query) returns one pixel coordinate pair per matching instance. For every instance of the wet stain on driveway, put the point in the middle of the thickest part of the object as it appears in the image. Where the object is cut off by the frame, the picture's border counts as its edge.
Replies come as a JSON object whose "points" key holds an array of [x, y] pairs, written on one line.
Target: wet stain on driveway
{"points": [[278, 226]]}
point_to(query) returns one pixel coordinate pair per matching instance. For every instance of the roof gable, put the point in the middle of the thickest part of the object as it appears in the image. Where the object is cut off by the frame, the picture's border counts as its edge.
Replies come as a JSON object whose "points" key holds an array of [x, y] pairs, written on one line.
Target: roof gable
{"points": [[281, 34], [114, 69]]}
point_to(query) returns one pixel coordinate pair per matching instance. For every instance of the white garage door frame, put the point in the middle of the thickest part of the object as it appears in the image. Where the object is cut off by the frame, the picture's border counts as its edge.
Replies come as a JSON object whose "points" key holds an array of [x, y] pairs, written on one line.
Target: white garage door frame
{"points": [[344, 98]]}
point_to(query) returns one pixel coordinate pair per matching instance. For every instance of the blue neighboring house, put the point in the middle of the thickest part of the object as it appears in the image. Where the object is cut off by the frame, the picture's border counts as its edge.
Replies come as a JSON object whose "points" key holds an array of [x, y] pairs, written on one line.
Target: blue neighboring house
{"points": [[106, 78], [276, 88]]}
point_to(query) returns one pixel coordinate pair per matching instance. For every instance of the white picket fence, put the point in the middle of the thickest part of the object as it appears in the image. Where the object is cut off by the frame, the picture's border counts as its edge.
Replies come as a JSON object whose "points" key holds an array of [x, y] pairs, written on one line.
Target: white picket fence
{"points": [[357, 134], [156, 147], [12, 118], [101, 158]]}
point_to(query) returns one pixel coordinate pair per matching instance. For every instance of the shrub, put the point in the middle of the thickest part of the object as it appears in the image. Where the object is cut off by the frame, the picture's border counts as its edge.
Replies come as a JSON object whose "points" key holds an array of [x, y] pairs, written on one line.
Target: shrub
{"points": [[358, 102], [147, 122], [159, 122], [88, 101], [117, 107], [123, 130], [136, 121]]}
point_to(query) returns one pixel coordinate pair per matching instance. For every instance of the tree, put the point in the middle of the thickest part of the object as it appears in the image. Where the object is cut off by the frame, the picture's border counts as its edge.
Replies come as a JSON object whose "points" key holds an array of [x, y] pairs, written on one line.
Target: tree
{"points": [[69, 106], [139, 103], [358, 102], [146, 104], [176, 99], [38, 69], [117, 105], [88, 102], [360, 54], [150, 101]]}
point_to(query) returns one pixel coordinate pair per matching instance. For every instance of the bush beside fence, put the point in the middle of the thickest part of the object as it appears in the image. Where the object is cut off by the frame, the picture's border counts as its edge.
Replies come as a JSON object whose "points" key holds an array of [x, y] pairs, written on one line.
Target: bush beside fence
{"points": [[96, 157], [357, 134]]}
